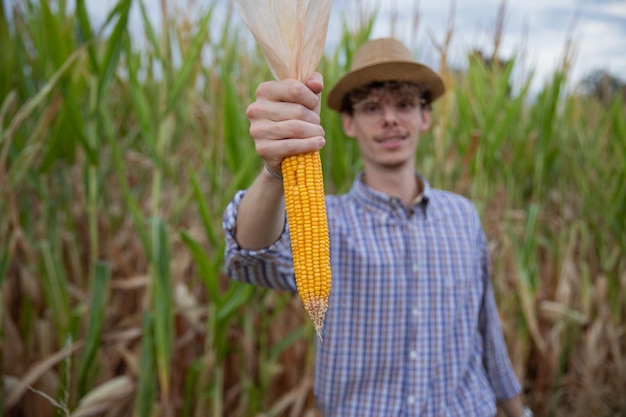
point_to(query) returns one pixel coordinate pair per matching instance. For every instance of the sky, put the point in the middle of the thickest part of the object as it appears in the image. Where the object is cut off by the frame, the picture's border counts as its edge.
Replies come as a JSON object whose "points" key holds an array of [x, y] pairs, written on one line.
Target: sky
{"points": [[536, 32]]}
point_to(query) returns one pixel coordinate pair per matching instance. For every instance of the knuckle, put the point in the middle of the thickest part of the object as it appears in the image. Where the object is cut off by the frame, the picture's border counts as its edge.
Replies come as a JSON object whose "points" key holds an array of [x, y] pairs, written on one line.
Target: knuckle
{"points": [[252, 111], [301, 113], [263, 89], [261, 149], [291, 147], [256, 130], [295, 89], [299, 129]]}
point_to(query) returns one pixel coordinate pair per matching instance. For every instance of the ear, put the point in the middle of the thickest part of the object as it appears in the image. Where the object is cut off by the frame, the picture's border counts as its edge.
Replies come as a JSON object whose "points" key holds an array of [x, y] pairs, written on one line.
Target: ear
{"points": [[348, 124], [425, 120]]}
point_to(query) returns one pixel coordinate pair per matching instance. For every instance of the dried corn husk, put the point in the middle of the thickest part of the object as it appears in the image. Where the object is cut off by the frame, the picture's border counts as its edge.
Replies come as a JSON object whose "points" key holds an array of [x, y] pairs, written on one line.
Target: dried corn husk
{"points": [[291, 33]]}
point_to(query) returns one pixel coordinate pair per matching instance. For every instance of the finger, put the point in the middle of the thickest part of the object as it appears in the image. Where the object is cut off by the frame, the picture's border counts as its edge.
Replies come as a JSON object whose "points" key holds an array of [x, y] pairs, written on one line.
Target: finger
{"points": [[274, 151], [281, 111], [289, 91], [264, 129], [316, 83]]}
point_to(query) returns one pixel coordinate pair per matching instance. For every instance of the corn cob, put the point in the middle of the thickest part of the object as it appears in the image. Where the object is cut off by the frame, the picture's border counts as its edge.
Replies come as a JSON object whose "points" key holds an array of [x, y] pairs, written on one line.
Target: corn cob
{"points": [[308, 229]]}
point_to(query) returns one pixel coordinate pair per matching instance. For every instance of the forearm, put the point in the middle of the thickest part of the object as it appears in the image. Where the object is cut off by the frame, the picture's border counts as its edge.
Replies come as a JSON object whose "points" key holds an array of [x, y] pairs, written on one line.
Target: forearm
{"points": [[513, 407], [284, 121], [261, 216]]}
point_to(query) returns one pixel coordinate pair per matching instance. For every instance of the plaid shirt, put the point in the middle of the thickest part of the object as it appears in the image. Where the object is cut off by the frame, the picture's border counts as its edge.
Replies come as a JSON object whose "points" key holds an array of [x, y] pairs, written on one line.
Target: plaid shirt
{"points": [[412, 327]]}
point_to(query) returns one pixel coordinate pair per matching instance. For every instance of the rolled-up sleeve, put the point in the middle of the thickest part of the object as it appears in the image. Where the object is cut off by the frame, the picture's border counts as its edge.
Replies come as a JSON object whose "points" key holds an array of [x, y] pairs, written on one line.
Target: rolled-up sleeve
{"points": [[268, 267]]}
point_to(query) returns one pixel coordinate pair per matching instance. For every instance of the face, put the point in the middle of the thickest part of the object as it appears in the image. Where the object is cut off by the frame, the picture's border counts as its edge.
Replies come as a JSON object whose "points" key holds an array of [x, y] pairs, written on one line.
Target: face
{"points": [[387, 126]]}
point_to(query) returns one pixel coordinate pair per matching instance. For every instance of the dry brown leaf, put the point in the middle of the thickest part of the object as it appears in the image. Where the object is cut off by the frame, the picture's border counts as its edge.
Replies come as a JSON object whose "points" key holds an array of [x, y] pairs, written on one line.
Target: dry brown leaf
{"points": [[188, 305], [291, 33], [131, 283], [105, 396], [130, 358], [12, 347], [555, 312], [36, 371], [40, 402]]}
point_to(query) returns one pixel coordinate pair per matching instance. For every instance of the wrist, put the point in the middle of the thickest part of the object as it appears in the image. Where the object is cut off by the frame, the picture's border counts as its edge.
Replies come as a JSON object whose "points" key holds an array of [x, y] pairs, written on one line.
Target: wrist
{"points": [[527, 412], [273, 173]]}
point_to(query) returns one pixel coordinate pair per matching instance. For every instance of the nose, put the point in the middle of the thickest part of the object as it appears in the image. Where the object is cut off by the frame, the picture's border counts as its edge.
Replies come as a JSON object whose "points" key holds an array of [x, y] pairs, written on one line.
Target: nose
{"points": [[389, 114]]}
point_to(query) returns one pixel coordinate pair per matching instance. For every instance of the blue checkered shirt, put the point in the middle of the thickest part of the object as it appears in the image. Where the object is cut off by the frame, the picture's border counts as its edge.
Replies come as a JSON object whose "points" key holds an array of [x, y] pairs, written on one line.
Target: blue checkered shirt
{"points": [[412, 327]]}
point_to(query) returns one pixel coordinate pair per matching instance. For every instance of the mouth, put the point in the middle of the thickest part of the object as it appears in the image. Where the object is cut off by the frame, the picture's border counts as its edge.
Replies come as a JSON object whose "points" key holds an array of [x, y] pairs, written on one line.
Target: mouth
{"points": [[391, 141]]}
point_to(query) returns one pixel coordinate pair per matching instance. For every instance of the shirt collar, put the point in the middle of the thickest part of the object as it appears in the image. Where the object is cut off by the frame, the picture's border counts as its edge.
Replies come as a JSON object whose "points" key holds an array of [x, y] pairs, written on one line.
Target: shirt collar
{"points": [[372, 198]]}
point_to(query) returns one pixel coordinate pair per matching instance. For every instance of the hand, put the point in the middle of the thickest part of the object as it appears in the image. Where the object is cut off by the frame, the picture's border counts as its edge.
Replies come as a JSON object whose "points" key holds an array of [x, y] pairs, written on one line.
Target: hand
{"points": [[285, 119]]}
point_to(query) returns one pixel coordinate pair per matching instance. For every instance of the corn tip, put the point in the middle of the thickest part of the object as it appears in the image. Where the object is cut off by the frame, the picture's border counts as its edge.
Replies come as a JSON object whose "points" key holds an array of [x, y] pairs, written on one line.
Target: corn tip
{"points": [[316, 309]]}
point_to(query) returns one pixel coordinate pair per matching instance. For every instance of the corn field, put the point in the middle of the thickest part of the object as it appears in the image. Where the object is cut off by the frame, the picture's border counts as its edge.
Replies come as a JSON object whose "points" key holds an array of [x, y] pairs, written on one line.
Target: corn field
{"points": [[117, 158]]}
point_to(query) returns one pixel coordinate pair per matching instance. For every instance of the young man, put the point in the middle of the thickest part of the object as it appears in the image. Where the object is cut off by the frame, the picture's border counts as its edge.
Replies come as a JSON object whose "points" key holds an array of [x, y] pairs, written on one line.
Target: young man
{"points": [[412, 327]]}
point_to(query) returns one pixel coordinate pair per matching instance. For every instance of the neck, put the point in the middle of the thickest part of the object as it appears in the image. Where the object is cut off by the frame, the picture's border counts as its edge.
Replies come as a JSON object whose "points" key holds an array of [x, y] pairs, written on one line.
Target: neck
{"points": [[401, 183]]}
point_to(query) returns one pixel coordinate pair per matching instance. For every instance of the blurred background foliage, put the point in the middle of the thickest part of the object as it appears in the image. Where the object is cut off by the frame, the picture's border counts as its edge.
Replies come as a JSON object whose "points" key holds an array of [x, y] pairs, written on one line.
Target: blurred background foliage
{"points": [[117, 160]]}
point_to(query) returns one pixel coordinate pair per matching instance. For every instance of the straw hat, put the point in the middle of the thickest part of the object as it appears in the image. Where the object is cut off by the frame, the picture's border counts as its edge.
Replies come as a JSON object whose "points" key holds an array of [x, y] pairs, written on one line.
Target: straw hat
{"points": [[385, 59]]}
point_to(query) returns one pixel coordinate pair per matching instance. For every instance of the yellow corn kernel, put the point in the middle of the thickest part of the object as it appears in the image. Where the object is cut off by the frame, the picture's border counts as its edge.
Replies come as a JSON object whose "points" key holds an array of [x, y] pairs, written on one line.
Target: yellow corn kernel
{"points": [[308, 229]]}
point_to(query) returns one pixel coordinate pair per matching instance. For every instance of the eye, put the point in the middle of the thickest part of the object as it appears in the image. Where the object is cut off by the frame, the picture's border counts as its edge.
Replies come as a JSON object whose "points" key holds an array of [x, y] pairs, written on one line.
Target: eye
{"points": [[406, 104], [371, 107]]}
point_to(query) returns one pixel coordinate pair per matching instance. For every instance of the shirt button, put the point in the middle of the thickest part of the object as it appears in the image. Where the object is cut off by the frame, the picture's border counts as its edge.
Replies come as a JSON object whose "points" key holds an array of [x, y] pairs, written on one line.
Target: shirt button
{"points": [[414, 268], [411, 400], [416, 312], [413, 355]]}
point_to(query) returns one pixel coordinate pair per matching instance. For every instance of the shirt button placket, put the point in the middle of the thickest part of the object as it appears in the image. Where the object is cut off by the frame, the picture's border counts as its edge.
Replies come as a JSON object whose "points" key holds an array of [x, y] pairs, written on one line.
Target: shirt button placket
{"points": [[416, 320]]}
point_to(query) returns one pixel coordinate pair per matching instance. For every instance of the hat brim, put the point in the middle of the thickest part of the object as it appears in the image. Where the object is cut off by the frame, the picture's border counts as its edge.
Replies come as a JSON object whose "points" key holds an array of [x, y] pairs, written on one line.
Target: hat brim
{"points": [[387, 71]]}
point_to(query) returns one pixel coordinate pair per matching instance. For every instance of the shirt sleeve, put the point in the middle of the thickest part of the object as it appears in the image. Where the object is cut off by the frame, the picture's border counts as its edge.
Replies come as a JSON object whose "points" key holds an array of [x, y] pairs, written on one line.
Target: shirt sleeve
{"points": [[495, 354], [268, 267]]}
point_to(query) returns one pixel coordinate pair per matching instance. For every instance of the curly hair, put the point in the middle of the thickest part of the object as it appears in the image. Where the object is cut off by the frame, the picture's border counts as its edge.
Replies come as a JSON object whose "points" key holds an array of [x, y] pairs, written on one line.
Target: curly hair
{"points": [[378, 89]]}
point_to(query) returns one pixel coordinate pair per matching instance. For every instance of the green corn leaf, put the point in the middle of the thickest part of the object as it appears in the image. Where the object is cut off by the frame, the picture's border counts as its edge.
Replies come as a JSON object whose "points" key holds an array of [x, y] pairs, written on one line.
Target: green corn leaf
{"points": [[54, 43], [86, 33], [55, 284], [163, 302], [238, 295], [7, 63], [193, 384], [142, 108], [32, 104], [147, 389], [203, 209], [130, 201], [149, 29], [68, 131], [190, 62], [114, 47], [243, 176], [206, 268], [234, 124], [292, 337], [23, 161], [97, 306]]}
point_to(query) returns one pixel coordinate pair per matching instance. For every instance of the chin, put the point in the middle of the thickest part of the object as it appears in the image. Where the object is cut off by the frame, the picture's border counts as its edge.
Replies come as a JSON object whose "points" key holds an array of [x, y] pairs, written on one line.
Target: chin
{"points": [[394, 163]]}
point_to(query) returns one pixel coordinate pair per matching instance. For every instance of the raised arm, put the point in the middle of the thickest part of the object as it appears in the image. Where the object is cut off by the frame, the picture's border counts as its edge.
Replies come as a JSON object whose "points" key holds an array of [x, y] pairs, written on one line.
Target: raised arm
{"points": [[284, 120]]}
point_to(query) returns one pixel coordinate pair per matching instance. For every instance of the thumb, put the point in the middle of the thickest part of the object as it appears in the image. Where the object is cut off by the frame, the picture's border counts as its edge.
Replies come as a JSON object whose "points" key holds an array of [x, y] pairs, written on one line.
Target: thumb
{"points": [[316, 84]]}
